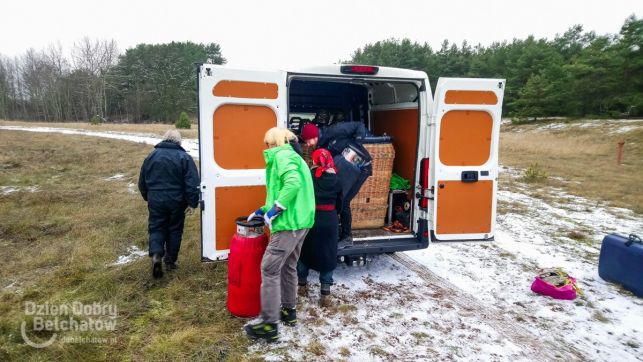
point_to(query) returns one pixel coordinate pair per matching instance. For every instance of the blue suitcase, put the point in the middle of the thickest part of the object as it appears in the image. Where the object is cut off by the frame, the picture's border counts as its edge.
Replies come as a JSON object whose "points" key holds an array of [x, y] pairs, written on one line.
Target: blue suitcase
{"points": [[621, 261]]}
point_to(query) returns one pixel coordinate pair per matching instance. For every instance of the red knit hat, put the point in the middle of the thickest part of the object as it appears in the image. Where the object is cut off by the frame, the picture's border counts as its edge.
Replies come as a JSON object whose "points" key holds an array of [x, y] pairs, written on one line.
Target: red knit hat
{"points": [[309, 132]]}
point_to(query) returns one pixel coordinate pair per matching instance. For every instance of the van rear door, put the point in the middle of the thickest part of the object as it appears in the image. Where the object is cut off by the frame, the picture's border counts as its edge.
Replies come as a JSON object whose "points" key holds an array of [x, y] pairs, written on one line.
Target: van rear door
{"points": [[236, 108], [466, 114]]}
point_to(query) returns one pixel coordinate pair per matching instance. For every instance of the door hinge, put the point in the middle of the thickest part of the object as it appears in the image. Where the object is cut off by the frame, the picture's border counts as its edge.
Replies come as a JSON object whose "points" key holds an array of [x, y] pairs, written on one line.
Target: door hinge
{"points": [[425, 193]]}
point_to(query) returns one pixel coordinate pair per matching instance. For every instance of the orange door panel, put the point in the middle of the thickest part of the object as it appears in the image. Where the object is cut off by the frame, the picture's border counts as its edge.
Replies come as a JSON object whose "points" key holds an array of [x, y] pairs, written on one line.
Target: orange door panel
{"points": [[470, 97], [231, 203], [465, 138], [239, 89], [464, 208], [238, 135]]}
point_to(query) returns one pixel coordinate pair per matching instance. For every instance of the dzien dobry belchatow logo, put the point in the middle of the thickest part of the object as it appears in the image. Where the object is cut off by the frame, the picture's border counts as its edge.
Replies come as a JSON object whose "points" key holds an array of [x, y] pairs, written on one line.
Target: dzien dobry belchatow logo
{"points": [[68, 317]]}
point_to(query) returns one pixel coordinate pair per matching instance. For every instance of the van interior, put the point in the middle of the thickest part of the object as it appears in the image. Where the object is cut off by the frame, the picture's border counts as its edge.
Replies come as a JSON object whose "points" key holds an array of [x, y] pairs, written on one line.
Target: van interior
{"points": [[386, 107]]}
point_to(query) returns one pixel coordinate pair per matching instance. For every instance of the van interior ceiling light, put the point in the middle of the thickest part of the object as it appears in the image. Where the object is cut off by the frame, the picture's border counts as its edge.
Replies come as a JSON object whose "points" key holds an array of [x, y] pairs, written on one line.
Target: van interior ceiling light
{"points": [[359, 69]]}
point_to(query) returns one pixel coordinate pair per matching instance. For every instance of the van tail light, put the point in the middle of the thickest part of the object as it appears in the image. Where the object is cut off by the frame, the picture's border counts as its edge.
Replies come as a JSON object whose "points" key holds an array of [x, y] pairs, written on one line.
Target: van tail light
{"points": [[424, 182], [359, 69]]}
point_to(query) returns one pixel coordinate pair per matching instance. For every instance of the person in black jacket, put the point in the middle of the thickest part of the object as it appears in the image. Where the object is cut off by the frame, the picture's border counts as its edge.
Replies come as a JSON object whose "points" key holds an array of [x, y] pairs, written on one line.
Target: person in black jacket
{"points": [[319, 251], [169, 182], [336, 138]]}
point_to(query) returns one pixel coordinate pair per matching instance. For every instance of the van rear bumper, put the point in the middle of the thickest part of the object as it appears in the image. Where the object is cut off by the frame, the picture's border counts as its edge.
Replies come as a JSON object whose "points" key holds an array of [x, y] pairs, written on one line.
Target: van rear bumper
{"points": [[389, 245], [382, 246]]}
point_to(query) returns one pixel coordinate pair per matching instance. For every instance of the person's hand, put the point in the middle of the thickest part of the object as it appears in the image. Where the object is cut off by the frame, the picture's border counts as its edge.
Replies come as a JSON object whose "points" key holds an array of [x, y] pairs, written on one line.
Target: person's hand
{"points": [[258, 213], [271, 215]]}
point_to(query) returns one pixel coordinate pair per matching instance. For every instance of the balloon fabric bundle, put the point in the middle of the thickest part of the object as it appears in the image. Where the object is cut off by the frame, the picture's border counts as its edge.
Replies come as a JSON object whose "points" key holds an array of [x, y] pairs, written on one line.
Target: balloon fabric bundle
{"points": [[555, 283]]}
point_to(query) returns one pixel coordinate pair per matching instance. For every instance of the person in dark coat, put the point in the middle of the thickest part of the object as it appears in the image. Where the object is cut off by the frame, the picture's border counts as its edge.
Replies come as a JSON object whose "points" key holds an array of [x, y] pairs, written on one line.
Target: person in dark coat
{"points": [[169, 182], [336, 138], [319, 251]]}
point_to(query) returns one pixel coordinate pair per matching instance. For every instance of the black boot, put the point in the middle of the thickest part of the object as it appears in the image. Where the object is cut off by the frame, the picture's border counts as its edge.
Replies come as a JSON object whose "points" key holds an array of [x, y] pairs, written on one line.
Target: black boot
{"points": [[289, 316], [265, 331], [157, 266], [325, 289], [171, 266]]}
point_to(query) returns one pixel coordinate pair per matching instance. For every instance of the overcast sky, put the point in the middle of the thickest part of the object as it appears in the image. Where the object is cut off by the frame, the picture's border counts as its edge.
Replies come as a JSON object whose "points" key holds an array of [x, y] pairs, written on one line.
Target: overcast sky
{"points": [[296, 33]]}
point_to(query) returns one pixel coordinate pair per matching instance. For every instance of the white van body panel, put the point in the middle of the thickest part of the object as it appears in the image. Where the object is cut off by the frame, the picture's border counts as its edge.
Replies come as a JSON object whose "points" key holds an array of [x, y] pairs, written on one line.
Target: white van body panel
{"points": [[212, 174], [440, 172]]}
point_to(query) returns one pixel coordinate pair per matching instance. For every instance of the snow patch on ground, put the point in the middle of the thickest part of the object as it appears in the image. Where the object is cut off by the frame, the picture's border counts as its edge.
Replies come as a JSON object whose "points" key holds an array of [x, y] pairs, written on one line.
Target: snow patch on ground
{"points": [[552, 126], [6, 190], [133, 253], [383, 311], [132, 188], [190, 145], [625, 129], [605, 322], [615, 126], [118, 176]]}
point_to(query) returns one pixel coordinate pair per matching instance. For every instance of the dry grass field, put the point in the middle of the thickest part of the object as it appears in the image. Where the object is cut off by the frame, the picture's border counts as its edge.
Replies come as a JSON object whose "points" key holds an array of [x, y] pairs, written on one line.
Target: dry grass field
{"points": [[581, 160], [63, 227]]}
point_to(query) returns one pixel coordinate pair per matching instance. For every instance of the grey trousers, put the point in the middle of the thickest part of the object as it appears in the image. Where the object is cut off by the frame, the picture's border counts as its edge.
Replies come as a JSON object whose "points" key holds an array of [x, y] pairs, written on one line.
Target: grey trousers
{"points": [[279, 273]]}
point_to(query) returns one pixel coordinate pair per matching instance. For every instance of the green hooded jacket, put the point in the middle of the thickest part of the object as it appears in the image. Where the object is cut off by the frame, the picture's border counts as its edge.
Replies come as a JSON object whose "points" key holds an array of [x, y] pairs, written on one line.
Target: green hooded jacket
{"points": [[289, 185]]}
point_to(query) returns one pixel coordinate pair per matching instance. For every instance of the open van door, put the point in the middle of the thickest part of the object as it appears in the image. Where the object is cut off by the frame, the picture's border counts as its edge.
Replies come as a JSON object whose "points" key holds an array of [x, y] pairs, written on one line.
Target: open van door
{"points": [[466, 114], [236, 108]]}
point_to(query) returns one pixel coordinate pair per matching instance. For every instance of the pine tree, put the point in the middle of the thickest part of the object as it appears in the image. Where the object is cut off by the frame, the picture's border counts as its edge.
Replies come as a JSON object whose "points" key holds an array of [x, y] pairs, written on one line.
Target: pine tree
{"points": [[183, 121]]}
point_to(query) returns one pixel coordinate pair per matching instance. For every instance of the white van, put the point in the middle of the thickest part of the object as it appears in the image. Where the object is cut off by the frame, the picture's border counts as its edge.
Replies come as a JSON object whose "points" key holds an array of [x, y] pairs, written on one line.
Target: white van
{"points": [[446, 146]]}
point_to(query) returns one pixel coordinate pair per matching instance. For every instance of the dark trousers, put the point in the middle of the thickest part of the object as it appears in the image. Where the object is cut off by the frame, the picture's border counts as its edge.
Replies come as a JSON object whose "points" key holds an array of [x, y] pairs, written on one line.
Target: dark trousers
{"points": [[165, 224], [345, 216], [303, 270]]}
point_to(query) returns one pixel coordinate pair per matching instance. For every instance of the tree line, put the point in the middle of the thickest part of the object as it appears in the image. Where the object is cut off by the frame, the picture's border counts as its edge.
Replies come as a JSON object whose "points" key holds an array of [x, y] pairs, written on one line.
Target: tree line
{"points": [[576, 74], [145, 83]]}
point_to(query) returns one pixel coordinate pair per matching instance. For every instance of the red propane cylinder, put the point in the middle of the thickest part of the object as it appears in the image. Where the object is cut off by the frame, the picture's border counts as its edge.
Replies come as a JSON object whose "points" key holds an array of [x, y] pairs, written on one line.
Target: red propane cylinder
{"points": [[244, 268]]}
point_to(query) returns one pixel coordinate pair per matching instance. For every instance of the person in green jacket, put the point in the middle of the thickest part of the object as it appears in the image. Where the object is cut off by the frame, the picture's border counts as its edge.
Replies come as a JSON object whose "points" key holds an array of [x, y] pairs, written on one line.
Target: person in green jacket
{"points": [[289, 212]]}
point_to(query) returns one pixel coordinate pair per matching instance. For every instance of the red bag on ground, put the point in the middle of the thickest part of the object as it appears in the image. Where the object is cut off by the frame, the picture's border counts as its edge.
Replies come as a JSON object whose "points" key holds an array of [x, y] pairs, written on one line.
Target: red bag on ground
{"points": [[555, 283]]}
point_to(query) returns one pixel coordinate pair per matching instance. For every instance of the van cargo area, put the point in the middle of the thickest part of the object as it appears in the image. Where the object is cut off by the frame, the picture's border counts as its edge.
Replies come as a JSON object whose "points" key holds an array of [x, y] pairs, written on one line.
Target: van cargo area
{"points": [[438, 152], [386, 108]]}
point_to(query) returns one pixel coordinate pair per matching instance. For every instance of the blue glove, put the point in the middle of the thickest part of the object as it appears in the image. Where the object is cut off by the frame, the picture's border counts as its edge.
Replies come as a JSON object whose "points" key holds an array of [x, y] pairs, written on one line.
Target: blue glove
{"points": [[271, 215], [259, 213]]}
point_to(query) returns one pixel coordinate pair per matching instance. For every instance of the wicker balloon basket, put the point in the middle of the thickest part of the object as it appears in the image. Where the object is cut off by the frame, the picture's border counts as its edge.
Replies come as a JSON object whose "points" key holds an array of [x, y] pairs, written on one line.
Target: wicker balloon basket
{"points": [[307, 154], [370, 205]]}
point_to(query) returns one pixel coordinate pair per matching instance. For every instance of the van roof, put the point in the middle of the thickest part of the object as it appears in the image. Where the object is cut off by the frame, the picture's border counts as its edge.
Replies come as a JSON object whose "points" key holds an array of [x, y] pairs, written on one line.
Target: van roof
{"points": [[383, 72]]}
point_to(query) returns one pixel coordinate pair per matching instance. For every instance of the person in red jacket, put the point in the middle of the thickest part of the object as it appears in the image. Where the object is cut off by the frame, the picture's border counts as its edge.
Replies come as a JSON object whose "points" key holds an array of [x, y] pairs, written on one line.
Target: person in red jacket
{"points": [[319, 251]]}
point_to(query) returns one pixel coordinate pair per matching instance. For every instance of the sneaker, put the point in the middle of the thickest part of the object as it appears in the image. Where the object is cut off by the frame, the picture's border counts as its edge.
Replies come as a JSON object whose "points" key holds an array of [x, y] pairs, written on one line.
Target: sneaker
{"points": [[325, 289], [157, 266], [289, 316], [265, 331], [171, 266]]}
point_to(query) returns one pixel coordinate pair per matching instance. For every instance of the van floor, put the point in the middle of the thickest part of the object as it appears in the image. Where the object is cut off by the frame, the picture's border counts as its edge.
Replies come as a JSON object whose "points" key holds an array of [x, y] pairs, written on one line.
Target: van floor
{"points": [[379, 232]]}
